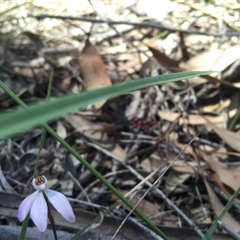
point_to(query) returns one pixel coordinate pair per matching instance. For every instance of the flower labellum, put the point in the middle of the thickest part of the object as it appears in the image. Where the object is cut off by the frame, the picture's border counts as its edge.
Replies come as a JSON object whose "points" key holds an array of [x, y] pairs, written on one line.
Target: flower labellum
{"points": [[37, 206]]}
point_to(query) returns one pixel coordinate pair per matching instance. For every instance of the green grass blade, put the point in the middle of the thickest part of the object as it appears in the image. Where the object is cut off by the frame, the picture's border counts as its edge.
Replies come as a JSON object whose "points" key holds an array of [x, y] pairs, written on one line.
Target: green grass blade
{"points": [[21, 120]]}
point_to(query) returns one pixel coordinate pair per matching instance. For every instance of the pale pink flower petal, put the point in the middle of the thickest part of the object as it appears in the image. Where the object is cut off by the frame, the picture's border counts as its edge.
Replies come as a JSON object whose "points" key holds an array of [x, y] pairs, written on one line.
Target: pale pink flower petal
{"points": [[37, 206], [26, 205], [61, 204], [39, 212]]}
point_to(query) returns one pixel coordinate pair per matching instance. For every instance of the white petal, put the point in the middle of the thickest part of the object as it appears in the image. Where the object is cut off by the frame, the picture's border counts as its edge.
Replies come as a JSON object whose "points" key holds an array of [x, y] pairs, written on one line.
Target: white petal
{"points": [[41, 182], [26, 205], [61, 204], [39, 212]]}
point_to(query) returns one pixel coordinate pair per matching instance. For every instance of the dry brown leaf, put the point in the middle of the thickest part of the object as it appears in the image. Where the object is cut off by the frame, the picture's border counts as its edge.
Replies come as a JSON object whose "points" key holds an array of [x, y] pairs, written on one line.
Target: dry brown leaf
{"points": [[192, 64], [194, 119], [174, 179], [217, 107], [230, 138], [162, 58], [214, 59], [93, 70], [100, 138], [229, 176], [219, 183], [183, 167], [218, 207], [146, 165], [145, 206]]}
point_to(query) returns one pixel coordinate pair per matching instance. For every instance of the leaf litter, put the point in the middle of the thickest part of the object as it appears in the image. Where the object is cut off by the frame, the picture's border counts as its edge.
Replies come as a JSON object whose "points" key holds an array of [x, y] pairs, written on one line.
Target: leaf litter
{"points": [[145, 129]]}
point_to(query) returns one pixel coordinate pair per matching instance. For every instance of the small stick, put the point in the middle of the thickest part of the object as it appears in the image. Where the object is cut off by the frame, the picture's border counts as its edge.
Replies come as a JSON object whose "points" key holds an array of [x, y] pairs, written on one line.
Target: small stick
{"points": [[162, 26], [227, 229]]}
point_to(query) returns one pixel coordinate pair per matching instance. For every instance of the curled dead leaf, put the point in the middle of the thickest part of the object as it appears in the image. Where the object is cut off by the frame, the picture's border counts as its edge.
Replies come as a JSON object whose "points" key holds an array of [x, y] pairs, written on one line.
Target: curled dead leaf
{"points": [[93, 70], [230, 176], [162, 58], [230, 138], [145, 206]]}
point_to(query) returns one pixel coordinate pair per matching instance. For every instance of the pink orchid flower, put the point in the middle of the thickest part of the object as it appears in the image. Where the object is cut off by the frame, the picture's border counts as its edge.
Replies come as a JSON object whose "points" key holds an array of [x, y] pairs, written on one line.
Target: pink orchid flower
{"points": [[37, 206]]}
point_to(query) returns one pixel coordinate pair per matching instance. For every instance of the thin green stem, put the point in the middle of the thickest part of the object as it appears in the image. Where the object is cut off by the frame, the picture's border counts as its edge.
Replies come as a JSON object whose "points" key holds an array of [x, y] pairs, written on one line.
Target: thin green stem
{"points": [[49, 90], [43, 136], [42, 140], [24, 228]]}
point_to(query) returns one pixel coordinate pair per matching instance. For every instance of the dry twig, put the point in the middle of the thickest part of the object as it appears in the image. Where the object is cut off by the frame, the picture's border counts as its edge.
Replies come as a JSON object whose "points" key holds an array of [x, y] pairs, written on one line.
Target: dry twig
{"points": [[162, 26]]}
